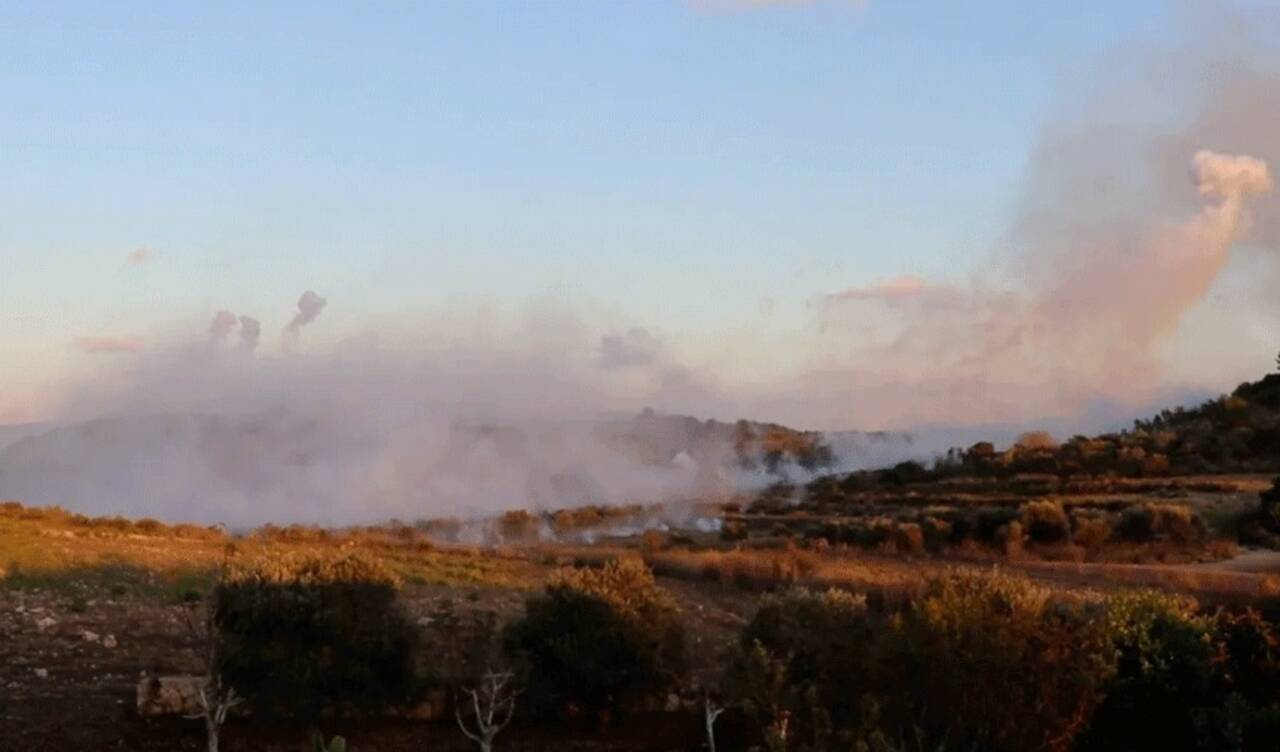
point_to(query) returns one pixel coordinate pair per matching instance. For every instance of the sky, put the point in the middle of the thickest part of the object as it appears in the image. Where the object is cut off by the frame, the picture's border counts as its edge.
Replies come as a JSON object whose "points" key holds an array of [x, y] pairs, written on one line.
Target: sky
{"points": [[702, 174]]}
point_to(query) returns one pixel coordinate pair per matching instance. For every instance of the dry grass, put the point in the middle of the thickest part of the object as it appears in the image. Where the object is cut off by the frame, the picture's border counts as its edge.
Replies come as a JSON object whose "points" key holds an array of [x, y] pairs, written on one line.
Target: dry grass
{"points": [[47, 547], [897, 579]]}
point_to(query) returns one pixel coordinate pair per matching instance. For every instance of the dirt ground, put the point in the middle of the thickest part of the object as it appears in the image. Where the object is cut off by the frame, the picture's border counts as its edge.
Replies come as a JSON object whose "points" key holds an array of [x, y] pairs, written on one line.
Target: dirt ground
{"points": [[70, 664]]}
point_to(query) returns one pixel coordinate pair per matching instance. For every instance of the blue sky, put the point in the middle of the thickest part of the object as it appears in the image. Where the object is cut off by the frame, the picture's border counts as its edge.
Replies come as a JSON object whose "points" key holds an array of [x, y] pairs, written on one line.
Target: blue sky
{"points": [[669, 162]]}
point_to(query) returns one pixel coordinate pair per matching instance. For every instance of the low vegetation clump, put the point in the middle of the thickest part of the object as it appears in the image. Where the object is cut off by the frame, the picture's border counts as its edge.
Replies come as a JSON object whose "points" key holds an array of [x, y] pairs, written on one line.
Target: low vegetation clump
{"points": [[992, 662], [1045, 521], [1046, 526], [304, 636], [802, 666], [596, 639], [1158, 521]]}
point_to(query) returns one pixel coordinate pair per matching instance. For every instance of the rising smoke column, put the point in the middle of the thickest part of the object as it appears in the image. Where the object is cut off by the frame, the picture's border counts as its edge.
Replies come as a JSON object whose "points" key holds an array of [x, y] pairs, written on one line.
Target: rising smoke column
{"points": [[1103, 316], [250, 333], [1096, 305], [309, 307], [223, 323]]}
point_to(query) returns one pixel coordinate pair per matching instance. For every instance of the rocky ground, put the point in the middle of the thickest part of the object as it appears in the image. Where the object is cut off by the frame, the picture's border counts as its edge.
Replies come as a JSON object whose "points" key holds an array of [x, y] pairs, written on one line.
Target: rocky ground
{"points": [[71, 660]]}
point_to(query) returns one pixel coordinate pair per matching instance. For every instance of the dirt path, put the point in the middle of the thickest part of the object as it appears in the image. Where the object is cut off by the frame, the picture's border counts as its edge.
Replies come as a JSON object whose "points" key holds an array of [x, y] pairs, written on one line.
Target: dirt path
{"points": [[1256, 560]]}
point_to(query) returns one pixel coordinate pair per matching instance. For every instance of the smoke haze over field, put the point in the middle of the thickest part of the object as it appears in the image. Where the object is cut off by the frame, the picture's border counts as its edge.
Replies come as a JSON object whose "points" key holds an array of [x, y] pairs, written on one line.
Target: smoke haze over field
{"points": [[1148, 190], [223, 434]]}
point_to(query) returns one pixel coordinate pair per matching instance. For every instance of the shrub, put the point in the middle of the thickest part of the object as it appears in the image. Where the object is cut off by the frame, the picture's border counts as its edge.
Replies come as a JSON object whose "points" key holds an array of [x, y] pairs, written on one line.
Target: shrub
{"points": [[1269, 508], [517, 526], [1175, 522], [1045, 521], [303, 636], [937, 533], [904, 473], [1137, 523], [150, 526], [596, 638], [908, 538], [1011, 537], [733, 530], [990, 662], [806, 657], [990, 520], [1090, 531], [1250, 654], [1163, 659], [1179, 523]]}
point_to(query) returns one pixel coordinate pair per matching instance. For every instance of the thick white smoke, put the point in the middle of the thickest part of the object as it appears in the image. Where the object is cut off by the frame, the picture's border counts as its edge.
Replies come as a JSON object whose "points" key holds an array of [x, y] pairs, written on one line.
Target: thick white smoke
{"points": [[1111, 253], [362, 433]]}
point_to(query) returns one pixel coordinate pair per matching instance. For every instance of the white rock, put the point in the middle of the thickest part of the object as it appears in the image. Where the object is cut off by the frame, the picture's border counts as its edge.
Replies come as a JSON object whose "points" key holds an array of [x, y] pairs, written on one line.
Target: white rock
{"points": [[46, 622], [90, 636], [109, 641], [42, 673]]}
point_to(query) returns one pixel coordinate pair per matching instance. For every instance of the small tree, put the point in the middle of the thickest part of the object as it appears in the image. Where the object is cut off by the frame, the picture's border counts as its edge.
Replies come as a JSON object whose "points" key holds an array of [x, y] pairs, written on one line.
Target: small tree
{"points": [[710, 712], [491, 708], [309, 636], [217, 698], [597, 637]]}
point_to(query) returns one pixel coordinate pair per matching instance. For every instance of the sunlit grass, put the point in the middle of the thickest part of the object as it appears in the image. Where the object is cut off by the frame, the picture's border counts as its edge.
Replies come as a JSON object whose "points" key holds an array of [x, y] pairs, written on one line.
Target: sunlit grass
{"points": [[55, 550]]}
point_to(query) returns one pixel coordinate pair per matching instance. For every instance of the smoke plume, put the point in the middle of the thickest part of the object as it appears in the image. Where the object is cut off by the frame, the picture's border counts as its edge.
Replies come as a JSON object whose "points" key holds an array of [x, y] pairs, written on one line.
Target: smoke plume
{"points": [[250, 333], [309, 307], [1132, 205], [360, 433], [222, 325]]}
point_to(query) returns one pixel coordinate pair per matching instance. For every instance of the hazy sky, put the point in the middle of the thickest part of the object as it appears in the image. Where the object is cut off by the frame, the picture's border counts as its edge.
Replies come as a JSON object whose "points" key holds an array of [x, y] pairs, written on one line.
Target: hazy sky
{"points": [[705, 170]]}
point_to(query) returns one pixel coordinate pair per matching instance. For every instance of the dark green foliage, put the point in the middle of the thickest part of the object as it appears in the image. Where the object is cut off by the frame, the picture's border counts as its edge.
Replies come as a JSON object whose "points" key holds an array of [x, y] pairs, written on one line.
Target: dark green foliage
{"points": [[989, 521], [1151, 521], [819, 645], [903, 473], [990, 663], [1163, 660], [995, 663], [336, 744], [306, 637], [597, 639], [1246, 688]]}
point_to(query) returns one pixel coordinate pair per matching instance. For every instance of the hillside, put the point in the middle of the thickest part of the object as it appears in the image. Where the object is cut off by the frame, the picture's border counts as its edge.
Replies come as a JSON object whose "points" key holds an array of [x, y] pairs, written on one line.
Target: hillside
{"points": [[1235, 433], [279, 467]]}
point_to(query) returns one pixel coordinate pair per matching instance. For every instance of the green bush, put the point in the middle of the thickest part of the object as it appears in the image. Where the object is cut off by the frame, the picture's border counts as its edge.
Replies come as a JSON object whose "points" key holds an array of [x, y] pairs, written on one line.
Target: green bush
{"points": [[1151, 521], [304, 636], [808, 657], [981, 662], [596, 639], [990, 662], [987, 661], [1246, 716], [1163, 660]]}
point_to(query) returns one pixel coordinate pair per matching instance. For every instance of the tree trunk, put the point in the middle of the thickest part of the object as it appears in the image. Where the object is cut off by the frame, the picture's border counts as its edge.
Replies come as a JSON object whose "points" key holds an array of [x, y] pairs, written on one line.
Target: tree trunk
{"points": [[211, 734]]}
